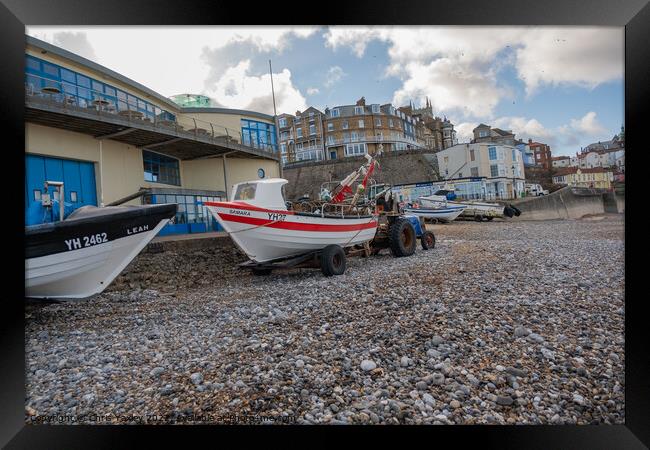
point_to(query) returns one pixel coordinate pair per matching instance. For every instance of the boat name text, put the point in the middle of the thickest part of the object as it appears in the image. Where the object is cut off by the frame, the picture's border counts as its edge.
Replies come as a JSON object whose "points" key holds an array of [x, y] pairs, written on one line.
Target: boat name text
{"points": [[136, 230], [76, 243], [240, 212]]}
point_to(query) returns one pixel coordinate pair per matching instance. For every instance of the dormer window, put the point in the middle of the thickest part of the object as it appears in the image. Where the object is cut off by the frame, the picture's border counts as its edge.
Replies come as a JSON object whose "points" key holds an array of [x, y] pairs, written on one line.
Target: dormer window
{"points": [[358, 110]]}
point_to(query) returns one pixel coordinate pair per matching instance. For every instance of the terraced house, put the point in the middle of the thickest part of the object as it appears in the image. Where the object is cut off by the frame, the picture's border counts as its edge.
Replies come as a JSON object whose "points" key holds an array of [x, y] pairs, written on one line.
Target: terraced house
{"points": [[346, 131], [596, 177], [108, 138], [302, 136]]}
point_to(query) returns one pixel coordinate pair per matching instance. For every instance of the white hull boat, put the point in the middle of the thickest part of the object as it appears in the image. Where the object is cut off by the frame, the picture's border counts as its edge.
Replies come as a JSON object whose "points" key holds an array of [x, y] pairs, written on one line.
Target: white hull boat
{"points": [[470, 208], [259, 222], [81, 255], [442, 214]]}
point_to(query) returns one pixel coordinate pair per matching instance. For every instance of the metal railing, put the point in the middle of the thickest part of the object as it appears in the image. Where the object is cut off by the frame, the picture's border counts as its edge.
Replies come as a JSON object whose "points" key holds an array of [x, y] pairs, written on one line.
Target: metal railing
{"points": [[373, 139], [65, 96]]}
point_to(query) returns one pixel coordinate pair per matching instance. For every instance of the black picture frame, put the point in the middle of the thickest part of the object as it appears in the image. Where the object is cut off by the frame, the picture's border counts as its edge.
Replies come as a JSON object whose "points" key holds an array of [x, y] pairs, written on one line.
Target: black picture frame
{"points": [[633, 14]]}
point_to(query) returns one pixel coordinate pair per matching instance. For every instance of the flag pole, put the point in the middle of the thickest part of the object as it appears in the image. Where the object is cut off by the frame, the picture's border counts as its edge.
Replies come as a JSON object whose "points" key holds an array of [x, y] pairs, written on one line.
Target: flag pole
{"points": [[275, 119]]}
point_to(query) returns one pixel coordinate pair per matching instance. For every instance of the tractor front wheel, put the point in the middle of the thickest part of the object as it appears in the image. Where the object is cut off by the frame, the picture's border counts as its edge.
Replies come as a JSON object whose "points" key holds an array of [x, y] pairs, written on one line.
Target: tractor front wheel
{"points": [[428, 240]]}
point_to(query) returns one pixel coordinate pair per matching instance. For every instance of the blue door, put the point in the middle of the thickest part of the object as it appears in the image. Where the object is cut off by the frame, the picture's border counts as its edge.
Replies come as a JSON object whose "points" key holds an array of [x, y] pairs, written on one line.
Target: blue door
{"points": [[78, 179]]}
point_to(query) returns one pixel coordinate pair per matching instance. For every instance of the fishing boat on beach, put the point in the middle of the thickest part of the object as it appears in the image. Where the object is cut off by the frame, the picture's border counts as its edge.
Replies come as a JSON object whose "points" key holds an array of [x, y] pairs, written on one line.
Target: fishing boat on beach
{"points": [[81, 255], [266, 227], [471, 208], [439, 214]]}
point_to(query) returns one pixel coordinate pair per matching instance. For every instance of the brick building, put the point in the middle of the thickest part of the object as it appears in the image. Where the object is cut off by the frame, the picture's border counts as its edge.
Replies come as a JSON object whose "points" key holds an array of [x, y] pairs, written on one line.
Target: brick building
{"points": [[346, 131], [541, 153]]}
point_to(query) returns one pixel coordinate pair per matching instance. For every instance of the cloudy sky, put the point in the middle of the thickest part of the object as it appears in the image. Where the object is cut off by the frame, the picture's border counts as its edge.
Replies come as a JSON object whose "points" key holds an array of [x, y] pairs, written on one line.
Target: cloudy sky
{"points": [[562, 86]]}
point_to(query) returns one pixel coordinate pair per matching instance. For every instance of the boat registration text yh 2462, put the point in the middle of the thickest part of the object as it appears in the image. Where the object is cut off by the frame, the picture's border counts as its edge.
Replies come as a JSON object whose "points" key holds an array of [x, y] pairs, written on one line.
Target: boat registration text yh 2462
{"points": [[87, 241]]}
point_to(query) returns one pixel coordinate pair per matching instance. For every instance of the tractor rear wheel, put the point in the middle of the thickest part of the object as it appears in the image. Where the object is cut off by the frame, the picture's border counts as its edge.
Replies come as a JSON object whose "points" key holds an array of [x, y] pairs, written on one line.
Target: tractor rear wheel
{"points": [[332, 260], [401, 238], [428, 240]]}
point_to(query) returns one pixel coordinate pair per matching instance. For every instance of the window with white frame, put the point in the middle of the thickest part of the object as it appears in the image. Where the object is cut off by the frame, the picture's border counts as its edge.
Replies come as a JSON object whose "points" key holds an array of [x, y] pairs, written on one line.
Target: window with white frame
{"points": [[355, 149], [299, 146], [345, 125], [346, 137], [361, 124], [299, 132], [390, 123], [494, 170], [335, 113], [283, 148], [330, 139], [354, 136], [482, 133], [330, 126], [514, 154], [492, 151], [378, 122], [375, 109], [282, 122], [474, 171], [312, 129], [358, 109]]}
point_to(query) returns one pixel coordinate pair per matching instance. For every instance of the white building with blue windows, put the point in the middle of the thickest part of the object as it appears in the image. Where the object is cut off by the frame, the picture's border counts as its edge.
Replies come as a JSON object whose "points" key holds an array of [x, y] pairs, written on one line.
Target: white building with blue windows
{"points": [[497, 170], [107, 137]]}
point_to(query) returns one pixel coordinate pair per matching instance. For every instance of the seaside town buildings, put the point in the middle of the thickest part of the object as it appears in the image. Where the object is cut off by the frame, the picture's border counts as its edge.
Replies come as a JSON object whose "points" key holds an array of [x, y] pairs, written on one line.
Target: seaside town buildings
{"points": [[353, 130], [497, 170], [597, 177]]}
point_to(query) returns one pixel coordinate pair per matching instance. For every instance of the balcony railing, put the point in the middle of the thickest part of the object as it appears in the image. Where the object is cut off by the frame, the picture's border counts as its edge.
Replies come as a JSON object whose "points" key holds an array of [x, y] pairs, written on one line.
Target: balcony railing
{"points": [[375, 139], [58, 93]]}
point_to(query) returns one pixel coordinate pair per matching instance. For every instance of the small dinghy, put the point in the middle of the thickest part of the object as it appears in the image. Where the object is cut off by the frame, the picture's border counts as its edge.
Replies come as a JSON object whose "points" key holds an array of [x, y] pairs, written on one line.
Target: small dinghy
{"points": [[82, 254], [262, 226]]}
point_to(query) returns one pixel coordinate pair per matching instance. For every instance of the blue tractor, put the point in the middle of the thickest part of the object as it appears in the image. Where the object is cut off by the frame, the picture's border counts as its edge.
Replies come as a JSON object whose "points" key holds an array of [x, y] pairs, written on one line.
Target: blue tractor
{"points": [[398, 231]]}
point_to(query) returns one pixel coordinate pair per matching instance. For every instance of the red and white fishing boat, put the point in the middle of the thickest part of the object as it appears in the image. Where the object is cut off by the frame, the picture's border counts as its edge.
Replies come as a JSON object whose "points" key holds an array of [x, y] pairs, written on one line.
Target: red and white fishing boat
{"points": [[260, 223]]}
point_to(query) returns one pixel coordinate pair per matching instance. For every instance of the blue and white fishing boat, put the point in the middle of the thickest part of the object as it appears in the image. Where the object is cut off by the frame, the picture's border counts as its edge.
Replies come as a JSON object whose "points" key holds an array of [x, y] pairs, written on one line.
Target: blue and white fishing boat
{"points": [[442, 214]]}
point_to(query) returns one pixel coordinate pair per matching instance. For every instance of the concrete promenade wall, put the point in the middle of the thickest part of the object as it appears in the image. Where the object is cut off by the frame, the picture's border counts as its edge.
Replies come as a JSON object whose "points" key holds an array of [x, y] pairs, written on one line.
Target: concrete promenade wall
{"points": [[569, 203], [398, 168]]}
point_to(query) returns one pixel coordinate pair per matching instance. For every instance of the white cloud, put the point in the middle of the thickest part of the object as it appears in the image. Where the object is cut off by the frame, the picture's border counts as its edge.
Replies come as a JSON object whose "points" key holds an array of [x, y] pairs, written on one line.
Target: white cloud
{"points": [[457, 67], [582, 56], [334, 75], [464, 131], [312, 91], [564, 140], [588, 124], [169, 59], [238, 88]]}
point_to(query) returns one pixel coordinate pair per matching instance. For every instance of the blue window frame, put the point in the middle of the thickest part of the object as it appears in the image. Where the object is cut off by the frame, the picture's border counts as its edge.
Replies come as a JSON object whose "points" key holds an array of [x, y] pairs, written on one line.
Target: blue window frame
{"points": [[40, 73], [161, 168], [493, 152], [258, 134]]}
